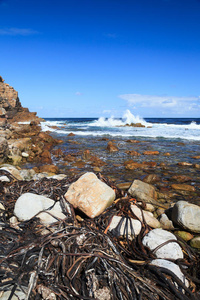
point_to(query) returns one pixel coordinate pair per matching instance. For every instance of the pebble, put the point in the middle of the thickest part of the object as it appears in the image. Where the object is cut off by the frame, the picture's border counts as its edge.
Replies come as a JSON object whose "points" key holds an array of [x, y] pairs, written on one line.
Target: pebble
{"points": [[195, 242]]}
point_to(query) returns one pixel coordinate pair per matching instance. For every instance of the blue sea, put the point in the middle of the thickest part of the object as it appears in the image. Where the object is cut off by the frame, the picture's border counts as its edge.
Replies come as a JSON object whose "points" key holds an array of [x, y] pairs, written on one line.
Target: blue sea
{"points": [[165, 128], [179, 137]]}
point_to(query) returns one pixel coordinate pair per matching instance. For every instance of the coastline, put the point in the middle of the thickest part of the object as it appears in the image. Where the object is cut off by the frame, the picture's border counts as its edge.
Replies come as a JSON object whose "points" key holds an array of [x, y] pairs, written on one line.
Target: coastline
{"points": [[78, 256]]}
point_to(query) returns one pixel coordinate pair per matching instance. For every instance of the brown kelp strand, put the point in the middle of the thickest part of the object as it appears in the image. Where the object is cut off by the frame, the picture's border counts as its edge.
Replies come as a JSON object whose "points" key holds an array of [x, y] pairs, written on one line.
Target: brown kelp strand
{"points": [[79, 258]]}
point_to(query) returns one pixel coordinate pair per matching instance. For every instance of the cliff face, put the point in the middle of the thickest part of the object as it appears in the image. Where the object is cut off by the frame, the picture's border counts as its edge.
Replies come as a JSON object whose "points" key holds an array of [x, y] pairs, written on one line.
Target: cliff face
{"points": [[10, 105]]}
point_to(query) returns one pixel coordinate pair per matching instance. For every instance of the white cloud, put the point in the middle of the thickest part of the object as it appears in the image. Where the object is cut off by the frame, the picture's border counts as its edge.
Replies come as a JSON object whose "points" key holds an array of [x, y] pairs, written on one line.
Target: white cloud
{"points": [[166, 102], [78, 93], [17, 31]]}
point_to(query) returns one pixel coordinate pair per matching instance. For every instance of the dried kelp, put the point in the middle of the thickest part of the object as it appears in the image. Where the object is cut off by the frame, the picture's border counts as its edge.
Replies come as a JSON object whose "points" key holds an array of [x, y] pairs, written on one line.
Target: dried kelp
{"points": [[79, 258]]}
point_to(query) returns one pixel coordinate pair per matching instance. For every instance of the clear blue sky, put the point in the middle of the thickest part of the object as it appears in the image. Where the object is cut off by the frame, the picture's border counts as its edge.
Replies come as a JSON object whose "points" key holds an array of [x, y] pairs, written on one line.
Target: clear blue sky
{"points": [[91, 58]]}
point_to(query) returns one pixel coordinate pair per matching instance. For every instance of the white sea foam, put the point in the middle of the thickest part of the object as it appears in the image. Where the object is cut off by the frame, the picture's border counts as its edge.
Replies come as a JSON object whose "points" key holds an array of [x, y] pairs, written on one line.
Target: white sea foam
{"points": [[115, 127], [127, 118]]}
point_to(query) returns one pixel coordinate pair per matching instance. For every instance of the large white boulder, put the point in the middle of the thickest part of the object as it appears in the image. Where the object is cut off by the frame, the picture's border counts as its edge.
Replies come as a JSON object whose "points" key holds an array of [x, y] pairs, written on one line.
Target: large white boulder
{"points": [[28, 205], [186, 215], [118, 225], [148, 216], [157, 237], [90, 195], [163, 263]]}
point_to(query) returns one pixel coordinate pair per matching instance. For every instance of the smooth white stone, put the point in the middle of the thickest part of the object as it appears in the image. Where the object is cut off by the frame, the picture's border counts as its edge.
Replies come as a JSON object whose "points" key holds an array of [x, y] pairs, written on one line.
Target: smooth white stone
{"points": [[187, 216], [24, 154], [56, 211], [157, 237], [4, 179], [28, 205], [172, 267], [136, 225], [148, 216]]}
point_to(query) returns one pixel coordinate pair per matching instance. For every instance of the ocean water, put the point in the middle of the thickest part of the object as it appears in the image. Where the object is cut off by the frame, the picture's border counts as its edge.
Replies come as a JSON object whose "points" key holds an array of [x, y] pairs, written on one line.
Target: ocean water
{"points": [[178, 136], [163, 128]]}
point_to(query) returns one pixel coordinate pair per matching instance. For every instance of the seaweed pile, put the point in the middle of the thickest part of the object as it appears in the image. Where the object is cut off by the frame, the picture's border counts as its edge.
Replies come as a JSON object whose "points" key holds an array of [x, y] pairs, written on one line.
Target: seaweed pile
{"points": [[79, 258]]}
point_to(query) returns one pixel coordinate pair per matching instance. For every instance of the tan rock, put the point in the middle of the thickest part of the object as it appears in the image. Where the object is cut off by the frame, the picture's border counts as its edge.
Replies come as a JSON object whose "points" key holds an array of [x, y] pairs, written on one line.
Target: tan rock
{"points": [[181, 178], [183, 187], [71, 134], [90, 195], [151, 152], [52, 169], [150, 164], [151, 178], [132, 141], [4, 150], [184, 164], [143, 191], [147, 215], [133, 153], [186, 236], [111, 147]]}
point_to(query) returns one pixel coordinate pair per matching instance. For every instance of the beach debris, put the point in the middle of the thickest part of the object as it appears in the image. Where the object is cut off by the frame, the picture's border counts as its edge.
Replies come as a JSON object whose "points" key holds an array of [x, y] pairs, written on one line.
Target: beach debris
{"points": [[90, 195], [187, 216], [81, 258], [163, 244]]}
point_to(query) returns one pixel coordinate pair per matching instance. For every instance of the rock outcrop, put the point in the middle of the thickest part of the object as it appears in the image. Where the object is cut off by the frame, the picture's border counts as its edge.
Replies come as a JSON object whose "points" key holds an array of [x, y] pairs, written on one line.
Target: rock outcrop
{"points": [[10, 105]]}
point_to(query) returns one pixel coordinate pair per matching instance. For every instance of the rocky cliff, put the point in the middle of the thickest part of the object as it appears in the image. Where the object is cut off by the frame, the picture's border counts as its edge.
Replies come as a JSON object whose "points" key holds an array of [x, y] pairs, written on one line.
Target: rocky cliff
{"points": [[10, 105]]}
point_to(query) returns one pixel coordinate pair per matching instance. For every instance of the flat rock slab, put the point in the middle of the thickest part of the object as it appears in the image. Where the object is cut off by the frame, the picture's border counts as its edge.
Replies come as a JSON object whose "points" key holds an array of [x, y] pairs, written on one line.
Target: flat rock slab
{"points": [[90, 195], [187, 216], [156, 238]]}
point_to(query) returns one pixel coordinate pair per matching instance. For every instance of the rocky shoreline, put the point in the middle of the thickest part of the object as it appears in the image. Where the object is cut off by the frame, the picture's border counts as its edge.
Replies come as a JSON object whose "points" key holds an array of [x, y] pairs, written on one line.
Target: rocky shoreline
{"points": [[80, 235]]}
